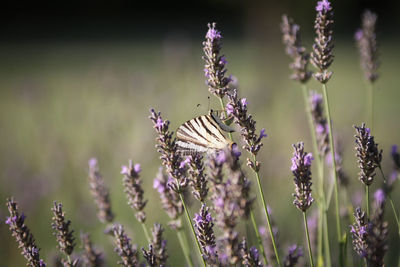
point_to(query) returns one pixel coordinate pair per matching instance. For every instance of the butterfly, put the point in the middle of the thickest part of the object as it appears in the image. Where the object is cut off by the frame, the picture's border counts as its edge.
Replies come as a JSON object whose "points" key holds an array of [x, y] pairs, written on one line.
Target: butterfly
{"points": [[203, 134]]}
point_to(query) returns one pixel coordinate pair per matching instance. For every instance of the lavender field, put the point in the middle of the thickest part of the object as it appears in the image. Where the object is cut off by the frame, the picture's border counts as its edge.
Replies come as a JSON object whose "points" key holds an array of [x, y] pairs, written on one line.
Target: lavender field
{"points": [[65, 103]]}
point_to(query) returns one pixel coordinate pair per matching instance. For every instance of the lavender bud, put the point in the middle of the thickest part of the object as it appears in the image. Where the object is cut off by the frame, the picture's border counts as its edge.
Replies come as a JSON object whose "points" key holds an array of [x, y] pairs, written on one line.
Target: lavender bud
{"points": [[214, 69], [100, 193], [247, 124], [91, 256], [169, 199], [123, 247], [166, 146], [395, 157], [198, 177], [215, 167], [150, 256], [359, 231], [159, 245], [368, 156], [133, 189], [230, 246], [367, 46], [203, 224], [294, 253], [23, 236], [321, 56], [301, 168], [250, 257], [320, 123], [292, 41]]}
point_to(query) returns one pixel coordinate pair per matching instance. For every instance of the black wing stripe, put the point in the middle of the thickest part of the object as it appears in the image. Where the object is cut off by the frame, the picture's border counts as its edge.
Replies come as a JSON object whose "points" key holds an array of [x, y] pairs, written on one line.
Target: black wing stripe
{"points": [[189, 123], [208, 130], [215, 124], [189, 138]]}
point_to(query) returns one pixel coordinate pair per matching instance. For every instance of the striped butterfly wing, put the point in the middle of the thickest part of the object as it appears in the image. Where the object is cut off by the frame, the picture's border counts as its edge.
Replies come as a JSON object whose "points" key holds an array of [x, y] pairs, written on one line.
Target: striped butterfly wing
{"points": [[202, 134]]}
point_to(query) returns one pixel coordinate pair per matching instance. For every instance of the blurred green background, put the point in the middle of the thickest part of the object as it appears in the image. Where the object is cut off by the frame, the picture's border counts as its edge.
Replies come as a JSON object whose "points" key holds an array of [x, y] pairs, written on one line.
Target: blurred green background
{"points": [[76, 85]]}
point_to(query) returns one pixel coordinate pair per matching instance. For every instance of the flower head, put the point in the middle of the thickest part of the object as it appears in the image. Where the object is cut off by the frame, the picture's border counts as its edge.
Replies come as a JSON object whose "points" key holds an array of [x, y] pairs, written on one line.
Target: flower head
{"points": [[323, 5]]}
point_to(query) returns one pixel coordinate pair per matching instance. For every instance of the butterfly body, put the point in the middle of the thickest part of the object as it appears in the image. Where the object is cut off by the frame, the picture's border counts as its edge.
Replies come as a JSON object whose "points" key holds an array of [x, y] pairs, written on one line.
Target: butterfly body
{"points": [[203, 134]]}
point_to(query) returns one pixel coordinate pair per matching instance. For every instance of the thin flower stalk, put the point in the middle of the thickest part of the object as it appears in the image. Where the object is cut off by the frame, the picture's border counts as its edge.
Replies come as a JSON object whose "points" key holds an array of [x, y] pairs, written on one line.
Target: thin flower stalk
{"points": [[65, 239], [134, 193], [172, 161], [23, 236]]}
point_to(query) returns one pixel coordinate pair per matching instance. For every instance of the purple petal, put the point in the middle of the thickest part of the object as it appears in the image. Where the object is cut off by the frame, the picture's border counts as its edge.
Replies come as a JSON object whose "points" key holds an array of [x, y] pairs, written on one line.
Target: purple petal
{"points": [[229, 109], [262, 133], [244, 102], [125, 170], [137, 168], [307, 159]]}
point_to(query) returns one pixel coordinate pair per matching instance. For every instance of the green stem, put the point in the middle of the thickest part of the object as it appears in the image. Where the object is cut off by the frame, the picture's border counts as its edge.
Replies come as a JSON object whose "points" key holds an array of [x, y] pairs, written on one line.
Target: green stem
{"points": [[191, 226], [266, 214], [391, 202], [332, 150], [367, 199], [253, 220], [308, 239], [370, 104], [146, 232], [184, 247], [326, 239]]}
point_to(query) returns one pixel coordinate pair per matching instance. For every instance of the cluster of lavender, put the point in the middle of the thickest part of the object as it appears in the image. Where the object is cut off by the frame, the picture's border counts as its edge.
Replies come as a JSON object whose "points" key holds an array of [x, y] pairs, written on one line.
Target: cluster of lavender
{"points": [[321, 56], [301, 168], [65, 239], [320, 122], [369, 157], [203, 222], [91, 256], [292, 41], [367, 46], [169, 199], [100, 193], [237, 107], [133, 189], [215, 63], [23, 236], [370, 235], [170, 158], [198, 179]]}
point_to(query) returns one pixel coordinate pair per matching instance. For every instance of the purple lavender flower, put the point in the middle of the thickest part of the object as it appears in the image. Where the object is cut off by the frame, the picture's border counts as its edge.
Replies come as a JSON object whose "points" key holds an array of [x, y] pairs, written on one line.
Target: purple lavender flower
{"points": [[198, 178], [229, 109], [301, 168], [170, 200], [250, 257], [368, 156], [91, 256], [367, 46], [167, 147], [203, 224], [292, 41], [123, 247], [294, 253], [159, 245], [218, 83], [22, 235], [100, 193], [65, 239], [133, 189], [359, 231], [395, 157], [247, 124], [321, 56]]}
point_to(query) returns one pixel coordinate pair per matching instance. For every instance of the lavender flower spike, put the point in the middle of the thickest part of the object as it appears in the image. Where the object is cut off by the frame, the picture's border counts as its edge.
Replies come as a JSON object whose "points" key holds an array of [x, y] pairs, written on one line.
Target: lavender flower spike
{"points": [[23, 236], [198, 179], [250, 256], [321, 56], [159, 244], [293, 256], [203, 223], [91, 256], [214, 70], [301, 168], [291, 39], [123, 247], [367, 46], [100, 193], [65, 239], [368, 156], [359, 231], [320, 122], [133, 189]]}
